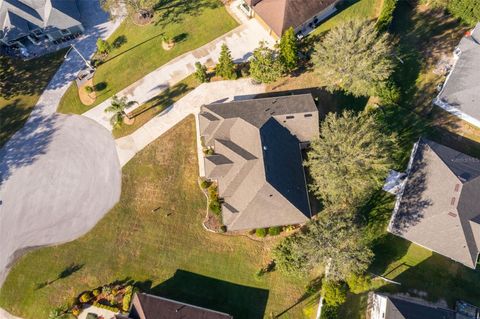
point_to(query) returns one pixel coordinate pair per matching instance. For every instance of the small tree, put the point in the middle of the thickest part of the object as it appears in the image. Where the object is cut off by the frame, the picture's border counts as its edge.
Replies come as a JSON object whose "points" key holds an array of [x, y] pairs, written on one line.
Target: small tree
{"points": [[350, 160], [117, 107], [335, 293], [354, 57], [201, 72], [289, 50], [225, 67], [265, 67], [103, 46]]}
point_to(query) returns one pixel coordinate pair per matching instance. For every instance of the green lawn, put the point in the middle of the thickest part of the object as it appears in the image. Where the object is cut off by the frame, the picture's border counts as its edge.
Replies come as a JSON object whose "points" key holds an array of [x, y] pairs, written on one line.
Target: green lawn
{"points": [[156, 105], [21, 84], [192, 23], [167, 252], [353, 9]]}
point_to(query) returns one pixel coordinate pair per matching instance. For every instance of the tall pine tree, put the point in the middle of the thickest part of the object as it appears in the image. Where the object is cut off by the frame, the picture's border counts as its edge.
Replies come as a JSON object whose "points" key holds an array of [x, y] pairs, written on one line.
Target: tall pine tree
{"points": [[225, 67], [289, 50]]}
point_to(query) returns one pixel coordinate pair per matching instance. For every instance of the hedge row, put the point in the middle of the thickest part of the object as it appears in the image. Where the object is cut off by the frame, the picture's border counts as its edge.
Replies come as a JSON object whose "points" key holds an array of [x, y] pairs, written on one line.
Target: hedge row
{"points": [[386, 16]]}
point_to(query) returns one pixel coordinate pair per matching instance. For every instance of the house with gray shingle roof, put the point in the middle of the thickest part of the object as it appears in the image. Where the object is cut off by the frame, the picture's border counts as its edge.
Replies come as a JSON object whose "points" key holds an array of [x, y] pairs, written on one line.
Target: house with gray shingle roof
{"points": [[257, 160], [382, 306], [438, 206], [460, 94], [38, 20]]}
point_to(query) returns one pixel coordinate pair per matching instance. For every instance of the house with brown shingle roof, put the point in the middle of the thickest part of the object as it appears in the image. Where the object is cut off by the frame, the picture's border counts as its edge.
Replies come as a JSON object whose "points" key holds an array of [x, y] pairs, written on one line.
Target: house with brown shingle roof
{"points": [[257, 160], [279, 15], [438, 206]]}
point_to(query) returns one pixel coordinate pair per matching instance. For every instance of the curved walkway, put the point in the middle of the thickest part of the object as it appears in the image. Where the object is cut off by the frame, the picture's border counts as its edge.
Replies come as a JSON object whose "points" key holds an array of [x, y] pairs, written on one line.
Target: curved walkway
{"points": [[59, 174]]}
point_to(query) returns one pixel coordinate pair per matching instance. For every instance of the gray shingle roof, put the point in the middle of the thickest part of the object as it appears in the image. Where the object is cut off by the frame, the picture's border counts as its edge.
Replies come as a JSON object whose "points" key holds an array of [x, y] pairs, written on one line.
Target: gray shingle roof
{"points": [[403, 309], [19, 17], [462, 88], [439, 207], [258, 163]]}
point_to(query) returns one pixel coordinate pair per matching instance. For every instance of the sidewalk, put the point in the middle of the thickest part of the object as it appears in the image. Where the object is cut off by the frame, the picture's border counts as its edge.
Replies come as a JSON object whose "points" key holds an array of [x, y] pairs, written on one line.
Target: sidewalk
{"points": [[241, 41], [206, 93]]}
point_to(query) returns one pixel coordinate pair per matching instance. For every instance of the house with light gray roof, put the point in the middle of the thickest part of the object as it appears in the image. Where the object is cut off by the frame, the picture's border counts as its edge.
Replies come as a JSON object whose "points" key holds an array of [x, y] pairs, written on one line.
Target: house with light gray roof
{"points": [[438, 206], [257, 160], [460, 94], [37, 21]]}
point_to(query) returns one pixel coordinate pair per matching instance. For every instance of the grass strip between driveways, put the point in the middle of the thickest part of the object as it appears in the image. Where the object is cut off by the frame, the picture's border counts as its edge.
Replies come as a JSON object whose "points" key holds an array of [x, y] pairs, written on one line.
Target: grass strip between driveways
{"points": [[138, 49]]}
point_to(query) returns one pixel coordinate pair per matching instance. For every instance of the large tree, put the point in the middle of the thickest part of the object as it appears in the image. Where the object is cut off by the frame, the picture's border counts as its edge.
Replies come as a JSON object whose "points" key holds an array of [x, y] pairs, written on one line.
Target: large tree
{"points": [[265, 67], [332, 240], [354, 57], [349, 160]]}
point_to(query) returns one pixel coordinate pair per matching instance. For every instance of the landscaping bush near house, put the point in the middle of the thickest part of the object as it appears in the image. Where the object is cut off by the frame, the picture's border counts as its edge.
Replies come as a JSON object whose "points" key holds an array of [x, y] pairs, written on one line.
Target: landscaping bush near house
{"points": [[215, 207], [386, 15], [127, 298], [205, 184], [107, 307], [335, 293], [261, 232], [96, 292], [274, 231], [85, 297], [359, 283]]}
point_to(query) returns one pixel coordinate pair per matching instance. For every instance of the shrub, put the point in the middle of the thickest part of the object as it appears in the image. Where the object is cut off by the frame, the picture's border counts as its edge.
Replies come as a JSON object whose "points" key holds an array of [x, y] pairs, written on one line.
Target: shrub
{"points": [[107, 307], [127, 298], [274, 231], [329, 312], [261, 232], [103, 46], [215, 207], [76, 311], [389, 93], [89, 89], [96, 292], [223, 229], [201, 72], [205, 184], [335, 293], [106, 290], [85, 297], [213, 193], [359, 283], [386, 15]]}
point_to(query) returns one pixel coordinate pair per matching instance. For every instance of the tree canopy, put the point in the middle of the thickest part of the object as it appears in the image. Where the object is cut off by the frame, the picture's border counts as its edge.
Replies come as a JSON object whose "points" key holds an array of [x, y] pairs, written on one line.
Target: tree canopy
{"points": [[132, 6], [466, 10], [225, 67], [265, 66], [289, 49], [350, 159], [354, 57], [332, 240]]}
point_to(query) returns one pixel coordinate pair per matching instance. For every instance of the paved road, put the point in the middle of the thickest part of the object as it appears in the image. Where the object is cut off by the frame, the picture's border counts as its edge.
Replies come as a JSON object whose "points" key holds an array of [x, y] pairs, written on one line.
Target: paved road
{"points": [[241, 42], [59, 174], [206, 93]]}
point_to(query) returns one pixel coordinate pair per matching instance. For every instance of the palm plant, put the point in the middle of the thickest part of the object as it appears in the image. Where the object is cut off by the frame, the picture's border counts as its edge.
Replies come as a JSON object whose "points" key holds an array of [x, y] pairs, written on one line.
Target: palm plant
{"points": [[117, 107]]}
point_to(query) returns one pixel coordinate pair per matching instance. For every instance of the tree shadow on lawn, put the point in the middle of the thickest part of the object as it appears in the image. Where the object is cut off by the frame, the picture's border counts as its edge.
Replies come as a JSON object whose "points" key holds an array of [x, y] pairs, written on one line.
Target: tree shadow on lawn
{"points": [[174, 11], [67, 272], [237, 300], [439, 278]]}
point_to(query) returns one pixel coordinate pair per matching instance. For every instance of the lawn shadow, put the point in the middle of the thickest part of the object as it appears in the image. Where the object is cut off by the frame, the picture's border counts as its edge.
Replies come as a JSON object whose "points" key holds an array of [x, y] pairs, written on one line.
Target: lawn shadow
{"points": [[237, 300], [67, 272], [438, 278], [119, 41], [180, 37], [133, 47], [28, 144], [12, 118], [174, 11]]}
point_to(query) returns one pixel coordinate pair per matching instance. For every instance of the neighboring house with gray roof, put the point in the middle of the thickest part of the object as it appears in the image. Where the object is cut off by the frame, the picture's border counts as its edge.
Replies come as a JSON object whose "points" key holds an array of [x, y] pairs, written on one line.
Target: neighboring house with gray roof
{"points": [[38, 21], [460, 94], [438, 206], [382, 306], [257, 158]]}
